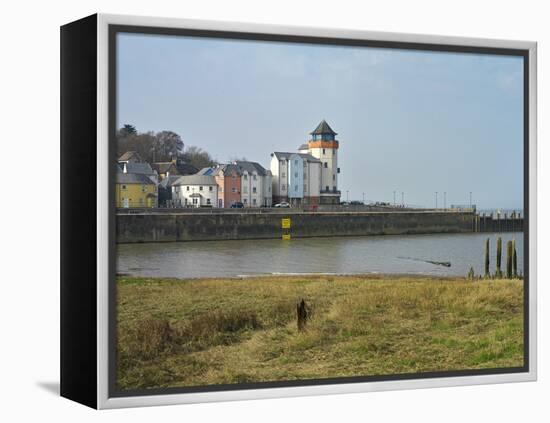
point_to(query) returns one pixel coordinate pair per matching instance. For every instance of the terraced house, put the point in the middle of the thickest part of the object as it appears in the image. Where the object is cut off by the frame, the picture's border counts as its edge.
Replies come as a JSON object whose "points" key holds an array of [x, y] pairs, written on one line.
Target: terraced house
{"points": [[228, 178], [256, 189]]}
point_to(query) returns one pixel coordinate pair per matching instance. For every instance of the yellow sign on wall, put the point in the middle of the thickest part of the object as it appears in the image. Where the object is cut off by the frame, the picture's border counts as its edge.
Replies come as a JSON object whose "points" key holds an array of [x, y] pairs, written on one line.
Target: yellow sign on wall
{"points": [[286, 236], [285, 223]]}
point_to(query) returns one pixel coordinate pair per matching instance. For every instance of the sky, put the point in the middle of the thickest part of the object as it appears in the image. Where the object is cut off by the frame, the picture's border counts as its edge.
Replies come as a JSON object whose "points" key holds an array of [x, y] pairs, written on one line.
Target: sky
{"points": [[408, 121]]}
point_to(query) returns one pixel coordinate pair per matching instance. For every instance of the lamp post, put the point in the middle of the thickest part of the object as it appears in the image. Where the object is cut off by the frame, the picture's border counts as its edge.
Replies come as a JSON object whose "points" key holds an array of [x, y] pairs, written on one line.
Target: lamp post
{"points": [[444, 200], [402, 198], [363, 198], [347, 195], [394, 203], [470, 199], [436, 200]]}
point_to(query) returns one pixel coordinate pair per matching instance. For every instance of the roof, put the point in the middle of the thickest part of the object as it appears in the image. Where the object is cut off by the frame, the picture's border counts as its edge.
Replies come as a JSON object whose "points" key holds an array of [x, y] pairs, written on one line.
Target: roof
{"points": [[227, 169], [305, 156], [168, 181], [252, 167], [133, 178], [206, 171], [186, 168], [195, 180], [163, 167], [303, 147], [130, 155], [195, 194], [323, 128], [142, 168]]}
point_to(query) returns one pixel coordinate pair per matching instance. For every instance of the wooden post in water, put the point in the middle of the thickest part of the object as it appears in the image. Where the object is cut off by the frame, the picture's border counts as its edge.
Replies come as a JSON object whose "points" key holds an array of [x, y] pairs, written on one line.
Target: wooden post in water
{"points": [[301, 314], [487, 272], [498, 273], [509, 254], [514, 260]]}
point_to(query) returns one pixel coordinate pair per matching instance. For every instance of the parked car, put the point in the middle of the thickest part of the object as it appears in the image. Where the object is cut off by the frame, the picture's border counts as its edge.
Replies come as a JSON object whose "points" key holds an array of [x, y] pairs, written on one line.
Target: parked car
{"points": [[344, 203], [357, 203], [237, 205], [284, 204]]}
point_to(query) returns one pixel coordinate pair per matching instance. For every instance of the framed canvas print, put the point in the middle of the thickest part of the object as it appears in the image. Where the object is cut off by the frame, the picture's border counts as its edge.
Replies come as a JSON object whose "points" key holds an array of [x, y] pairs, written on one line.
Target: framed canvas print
{"points": [[254, 211]]}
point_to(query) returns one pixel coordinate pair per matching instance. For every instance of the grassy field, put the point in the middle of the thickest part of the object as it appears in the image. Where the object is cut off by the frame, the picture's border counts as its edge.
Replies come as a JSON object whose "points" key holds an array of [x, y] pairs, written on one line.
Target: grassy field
{"points": [[175, 333]]}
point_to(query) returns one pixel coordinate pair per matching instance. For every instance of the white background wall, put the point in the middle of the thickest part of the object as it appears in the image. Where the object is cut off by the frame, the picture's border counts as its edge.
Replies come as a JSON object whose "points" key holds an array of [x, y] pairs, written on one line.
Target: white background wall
{"points": [[29, 300]]}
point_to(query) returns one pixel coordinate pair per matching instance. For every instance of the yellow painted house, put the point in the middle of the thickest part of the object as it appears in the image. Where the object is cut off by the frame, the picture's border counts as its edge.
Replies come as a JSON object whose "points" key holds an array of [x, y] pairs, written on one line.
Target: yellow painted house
{"points": [[134, 190]]}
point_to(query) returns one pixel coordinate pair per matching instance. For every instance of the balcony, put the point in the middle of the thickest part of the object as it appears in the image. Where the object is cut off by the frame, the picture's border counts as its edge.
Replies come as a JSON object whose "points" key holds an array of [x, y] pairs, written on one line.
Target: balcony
{"points": [[331, 191]]}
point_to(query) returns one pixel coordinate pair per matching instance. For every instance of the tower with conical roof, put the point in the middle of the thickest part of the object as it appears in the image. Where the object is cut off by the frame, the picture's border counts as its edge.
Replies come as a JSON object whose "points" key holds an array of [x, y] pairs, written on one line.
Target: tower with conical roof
{"points": [[324, 146]]}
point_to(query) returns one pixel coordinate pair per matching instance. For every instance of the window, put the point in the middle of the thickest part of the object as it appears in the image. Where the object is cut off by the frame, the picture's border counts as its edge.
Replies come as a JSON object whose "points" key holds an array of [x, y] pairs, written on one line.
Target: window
{"points": [[283, 187], [187, 187], [245, 176], [254, 177], [233, 189], [143, 188], [295, 187], [295, 174], [338, 170], [254, 190], [295, 162], [194, 201], [208, 201], [326, 188], [333, 177], [334, 189], [210, 188], [283, 175], [254, 201], [324, 151], [325, 165], [123, 186], [245, 190], [244, 201], [200, 188]]}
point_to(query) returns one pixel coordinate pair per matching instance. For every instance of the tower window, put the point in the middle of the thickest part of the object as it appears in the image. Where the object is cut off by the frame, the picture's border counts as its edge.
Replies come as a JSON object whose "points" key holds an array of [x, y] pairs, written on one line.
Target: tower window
{"points": [[326, 165], [333, 177], [324, 151]]}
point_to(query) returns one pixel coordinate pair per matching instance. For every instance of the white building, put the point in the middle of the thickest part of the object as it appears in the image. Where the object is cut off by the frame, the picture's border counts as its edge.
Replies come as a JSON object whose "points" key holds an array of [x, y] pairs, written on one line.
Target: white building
{"points": [[310, 176], [195, 191], [324, 146], [256, 189], [296, 178]]}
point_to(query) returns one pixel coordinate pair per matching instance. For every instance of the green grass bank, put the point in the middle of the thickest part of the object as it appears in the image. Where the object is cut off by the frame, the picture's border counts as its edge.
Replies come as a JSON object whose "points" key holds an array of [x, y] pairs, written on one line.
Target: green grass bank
{"points": [[174, 333]]}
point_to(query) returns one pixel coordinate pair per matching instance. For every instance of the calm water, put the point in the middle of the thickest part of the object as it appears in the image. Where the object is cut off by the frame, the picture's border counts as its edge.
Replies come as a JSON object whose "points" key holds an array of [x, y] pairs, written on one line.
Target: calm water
{"points": [[380, 254]]}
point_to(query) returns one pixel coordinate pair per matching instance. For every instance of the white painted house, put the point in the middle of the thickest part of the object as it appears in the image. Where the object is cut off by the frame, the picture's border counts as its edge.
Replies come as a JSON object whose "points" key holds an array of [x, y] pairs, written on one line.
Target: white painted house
{"points": [[195, 191], [256, 189]]}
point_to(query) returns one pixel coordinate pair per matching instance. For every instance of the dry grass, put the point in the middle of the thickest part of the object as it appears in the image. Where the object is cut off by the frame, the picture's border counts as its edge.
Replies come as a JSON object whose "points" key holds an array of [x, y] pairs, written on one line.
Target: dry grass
{"points": [[199, 332]]}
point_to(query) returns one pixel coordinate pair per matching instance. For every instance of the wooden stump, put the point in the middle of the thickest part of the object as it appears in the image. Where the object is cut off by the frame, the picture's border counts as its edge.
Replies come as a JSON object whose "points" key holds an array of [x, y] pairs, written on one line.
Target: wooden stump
{"points": [[302, 314]]}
